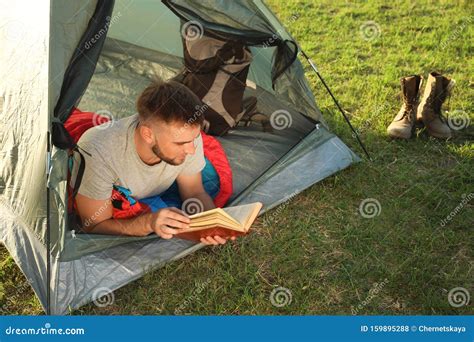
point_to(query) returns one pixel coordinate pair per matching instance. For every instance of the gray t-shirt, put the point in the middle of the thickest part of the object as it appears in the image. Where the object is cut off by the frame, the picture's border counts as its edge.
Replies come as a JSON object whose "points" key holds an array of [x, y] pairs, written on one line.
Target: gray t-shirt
{"points": [[114, 160]]}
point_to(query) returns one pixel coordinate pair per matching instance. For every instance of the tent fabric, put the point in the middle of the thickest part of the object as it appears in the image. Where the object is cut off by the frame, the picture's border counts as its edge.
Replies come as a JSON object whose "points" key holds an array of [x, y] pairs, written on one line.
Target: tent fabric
{"points": [[320, 150], [109, 269], [25, 248], [80, 70], [40, 74], [31, 67]]}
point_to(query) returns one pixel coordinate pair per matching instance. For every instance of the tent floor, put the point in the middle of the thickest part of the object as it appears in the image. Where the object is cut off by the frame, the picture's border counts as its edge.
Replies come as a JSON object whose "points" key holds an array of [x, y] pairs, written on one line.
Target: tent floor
{"points": [[124, 70]]}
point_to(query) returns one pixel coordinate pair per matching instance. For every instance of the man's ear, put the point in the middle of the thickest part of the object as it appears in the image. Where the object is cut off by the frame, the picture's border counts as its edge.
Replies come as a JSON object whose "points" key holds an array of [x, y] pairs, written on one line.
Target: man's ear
{"points": [[146, 133]]}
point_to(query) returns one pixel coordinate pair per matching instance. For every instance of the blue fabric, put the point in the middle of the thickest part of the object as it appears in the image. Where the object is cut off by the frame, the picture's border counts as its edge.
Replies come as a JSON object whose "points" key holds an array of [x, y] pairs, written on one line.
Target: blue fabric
{"points": [[127, 193], [155, 203], [171, 197]]}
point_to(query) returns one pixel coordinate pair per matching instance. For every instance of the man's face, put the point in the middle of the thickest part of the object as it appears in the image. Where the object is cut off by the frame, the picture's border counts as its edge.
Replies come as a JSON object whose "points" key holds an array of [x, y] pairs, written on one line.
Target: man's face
{"points": [[172, 142]]}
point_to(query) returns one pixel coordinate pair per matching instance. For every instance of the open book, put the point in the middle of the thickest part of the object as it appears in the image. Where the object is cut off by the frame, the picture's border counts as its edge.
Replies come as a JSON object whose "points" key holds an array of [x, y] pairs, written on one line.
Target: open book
{"points": [[224, 222]]}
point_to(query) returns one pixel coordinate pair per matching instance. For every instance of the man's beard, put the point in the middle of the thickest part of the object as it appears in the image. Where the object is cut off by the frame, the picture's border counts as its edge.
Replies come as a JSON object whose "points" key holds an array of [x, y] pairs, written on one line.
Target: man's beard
{"points": [[156, 150]]}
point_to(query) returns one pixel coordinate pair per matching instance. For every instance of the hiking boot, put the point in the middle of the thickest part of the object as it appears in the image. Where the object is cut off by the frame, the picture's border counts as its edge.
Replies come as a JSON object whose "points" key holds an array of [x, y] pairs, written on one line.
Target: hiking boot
{"points": [[429, 114], [402, 125]]}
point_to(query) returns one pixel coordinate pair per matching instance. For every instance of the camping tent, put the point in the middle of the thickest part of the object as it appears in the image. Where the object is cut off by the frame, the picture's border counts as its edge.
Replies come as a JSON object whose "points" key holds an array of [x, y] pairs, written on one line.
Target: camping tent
{"points": [[98, 55]]}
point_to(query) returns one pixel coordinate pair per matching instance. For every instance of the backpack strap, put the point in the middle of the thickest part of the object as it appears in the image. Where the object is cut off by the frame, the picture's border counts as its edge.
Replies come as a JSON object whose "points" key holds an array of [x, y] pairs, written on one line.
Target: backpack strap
{"points": [[80, 171]]}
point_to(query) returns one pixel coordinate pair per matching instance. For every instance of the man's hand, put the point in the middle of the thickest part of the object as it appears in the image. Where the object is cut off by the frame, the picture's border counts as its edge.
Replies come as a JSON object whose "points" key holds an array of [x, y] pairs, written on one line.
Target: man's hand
{"points": [[216, 240], [168, 221]]}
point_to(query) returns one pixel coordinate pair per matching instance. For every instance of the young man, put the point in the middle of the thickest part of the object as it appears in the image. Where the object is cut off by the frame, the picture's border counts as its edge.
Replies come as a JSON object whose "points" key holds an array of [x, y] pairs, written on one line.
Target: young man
{"points": [[145, 153]]}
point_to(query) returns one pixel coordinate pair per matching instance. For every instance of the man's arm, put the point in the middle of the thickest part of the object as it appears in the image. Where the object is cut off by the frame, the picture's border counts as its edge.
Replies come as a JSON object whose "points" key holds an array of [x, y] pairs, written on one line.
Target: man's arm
{"points": [[190, 187], [97, 218]]}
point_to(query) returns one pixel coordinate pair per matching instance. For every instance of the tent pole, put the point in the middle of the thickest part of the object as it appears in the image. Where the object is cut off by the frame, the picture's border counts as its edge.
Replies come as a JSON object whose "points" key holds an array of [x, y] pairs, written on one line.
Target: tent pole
{"points": [[313, 66], [48, 229]]}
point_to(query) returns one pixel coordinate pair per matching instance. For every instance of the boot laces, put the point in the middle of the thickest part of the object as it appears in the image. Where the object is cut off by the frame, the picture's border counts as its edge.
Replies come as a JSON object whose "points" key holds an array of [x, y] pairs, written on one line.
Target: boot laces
{"points": [[409, 106]]}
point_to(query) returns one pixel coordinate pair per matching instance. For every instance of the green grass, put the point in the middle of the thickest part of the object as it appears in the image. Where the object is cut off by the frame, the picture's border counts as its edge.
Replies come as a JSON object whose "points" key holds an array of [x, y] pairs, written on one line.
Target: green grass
{"points": [[320, 247]]}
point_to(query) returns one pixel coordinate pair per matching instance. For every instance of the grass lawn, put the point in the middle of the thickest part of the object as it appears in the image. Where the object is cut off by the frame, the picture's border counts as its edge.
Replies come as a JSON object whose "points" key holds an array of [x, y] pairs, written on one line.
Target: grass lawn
{"points": [[328, 257]]}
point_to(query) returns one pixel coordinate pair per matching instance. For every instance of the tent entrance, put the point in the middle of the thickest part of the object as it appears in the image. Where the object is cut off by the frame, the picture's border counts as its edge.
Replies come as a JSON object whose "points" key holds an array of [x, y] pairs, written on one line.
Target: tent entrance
{"points": [[135, 52]]}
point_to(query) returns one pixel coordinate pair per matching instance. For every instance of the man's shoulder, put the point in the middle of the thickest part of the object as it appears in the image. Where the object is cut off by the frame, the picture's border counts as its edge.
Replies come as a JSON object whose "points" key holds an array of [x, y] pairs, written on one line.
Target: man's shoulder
{"points": [[106, 133]]}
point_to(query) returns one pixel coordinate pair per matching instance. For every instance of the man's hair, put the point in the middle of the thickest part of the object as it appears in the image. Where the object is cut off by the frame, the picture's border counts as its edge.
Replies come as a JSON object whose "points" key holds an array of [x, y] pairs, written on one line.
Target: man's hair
{"points": [[170, 101]]}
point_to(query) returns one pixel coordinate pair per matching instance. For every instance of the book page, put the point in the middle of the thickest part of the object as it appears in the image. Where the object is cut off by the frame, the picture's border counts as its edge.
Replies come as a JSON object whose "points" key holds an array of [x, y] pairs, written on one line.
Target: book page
{"points": [[205, 213], [213, 225], [221, 220], [210, 214], [244, 213]]}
